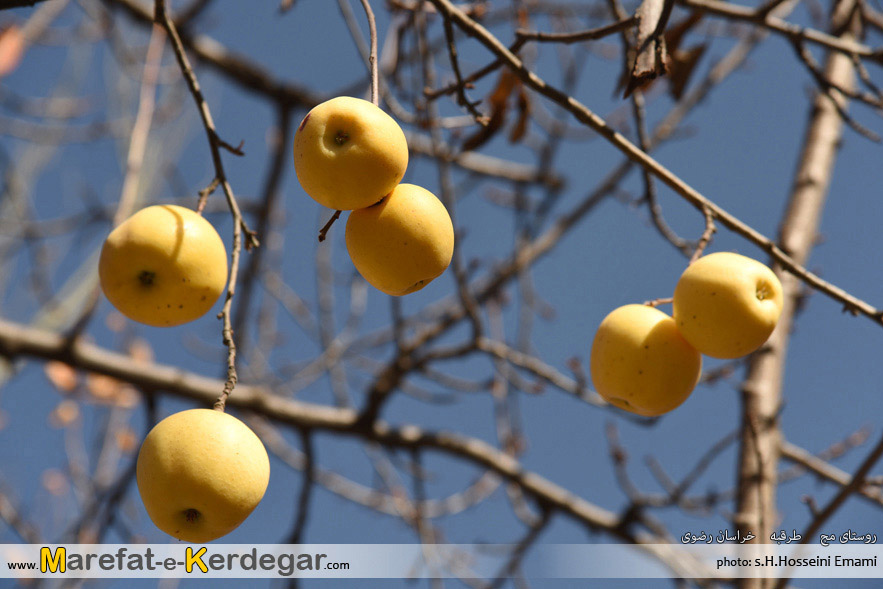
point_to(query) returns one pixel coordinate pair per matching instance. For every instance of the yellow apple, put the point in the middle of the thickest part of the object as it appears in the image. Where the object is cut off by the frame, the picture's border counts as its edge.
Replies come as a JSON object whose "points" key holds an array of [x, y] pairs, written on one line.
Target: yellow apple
{"points": [[349, 154], [165, 265], [641, 363], [402, 243], [200, 473], [727, 305]]}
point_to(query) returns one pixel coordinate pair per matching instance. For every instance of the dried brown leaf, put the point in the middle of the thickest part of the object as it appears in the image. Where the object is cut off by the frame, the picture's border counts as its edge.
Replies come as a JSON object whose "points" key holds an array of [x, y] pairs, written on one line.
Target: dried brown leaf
{"points": [[683, 64], [498, 100], [676, 33], [518, 131]]}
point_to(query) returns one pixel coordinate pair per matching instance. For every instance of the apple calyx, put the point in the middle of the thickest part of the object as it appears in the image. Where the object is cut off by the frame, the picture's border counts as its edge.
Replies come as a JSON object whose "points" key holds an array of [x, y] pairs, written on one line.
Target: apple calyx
{"points": [[341, 138], [191, 515], [147, 277], [764, 290]]}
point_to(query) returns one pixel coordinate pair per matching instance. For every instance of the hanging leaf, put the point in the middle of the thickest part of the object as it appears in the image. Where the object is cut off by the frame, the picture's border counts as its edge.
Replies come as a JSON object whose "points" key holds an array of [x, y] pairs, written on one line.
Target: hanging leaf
{"points": [[683, 64], [675, 33], [498, 100], [523, 17], [518, 131]]}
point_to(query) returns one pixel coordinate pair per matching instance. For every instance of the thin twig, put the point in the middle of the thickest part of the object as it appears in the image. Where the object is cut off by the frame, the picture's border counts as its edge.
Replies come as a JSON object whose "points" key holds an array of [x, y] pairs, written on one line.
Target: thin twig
{"points": [[13, 518], [588, 35], [694, 197], [266, 216], [141, 128], [520, 549], [239, 225], [677, 492], [306, 490], [651, 194], [446, 183], [18, 340], [806, 461], [477, 75], [828, 88], [323, 232], [705, 238], [791, 31], [855, 484], [462, 99]]}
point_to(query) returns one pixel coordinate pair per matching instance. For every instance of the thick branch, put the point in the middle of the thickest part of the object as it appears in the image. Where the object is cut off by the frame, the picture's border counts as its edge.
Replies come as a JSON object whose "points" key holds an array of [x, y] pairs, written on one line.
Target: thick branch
{"points": [[651, 59], [20, 341], [762, 389]]}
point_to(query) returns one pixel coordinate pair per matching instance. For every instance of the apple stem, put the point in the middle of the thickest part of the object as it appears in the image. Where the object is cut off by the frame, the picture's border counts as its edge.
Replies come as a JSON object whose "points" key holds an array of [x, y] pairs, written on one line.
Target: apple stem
{"points": [[323, 232], [372, 56], [657, 302]]}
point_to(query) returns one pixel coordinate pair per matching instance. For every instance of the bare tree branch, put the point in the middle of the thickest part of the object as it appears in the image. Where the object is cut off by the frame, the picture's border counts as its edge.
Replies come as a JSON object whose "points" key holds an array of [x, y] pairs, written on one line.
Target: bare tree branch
{"points": [[762, 388]]}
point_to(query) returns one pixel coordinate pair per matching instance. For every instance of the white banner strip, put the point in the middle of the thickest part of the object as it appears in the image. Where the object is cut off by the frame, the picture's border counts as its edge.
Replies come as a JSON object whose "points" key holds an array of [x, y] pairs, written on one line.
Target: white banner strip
{"points": [[409, 561]]}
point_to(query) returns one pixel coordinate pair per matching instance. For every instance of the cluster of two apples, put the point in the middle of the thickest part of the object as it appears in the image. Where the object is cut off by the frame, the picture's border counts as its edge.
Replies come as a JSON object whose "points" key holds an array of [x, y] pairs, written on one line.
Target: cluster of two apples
{"points": [[349, 155], [725, 305]]}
